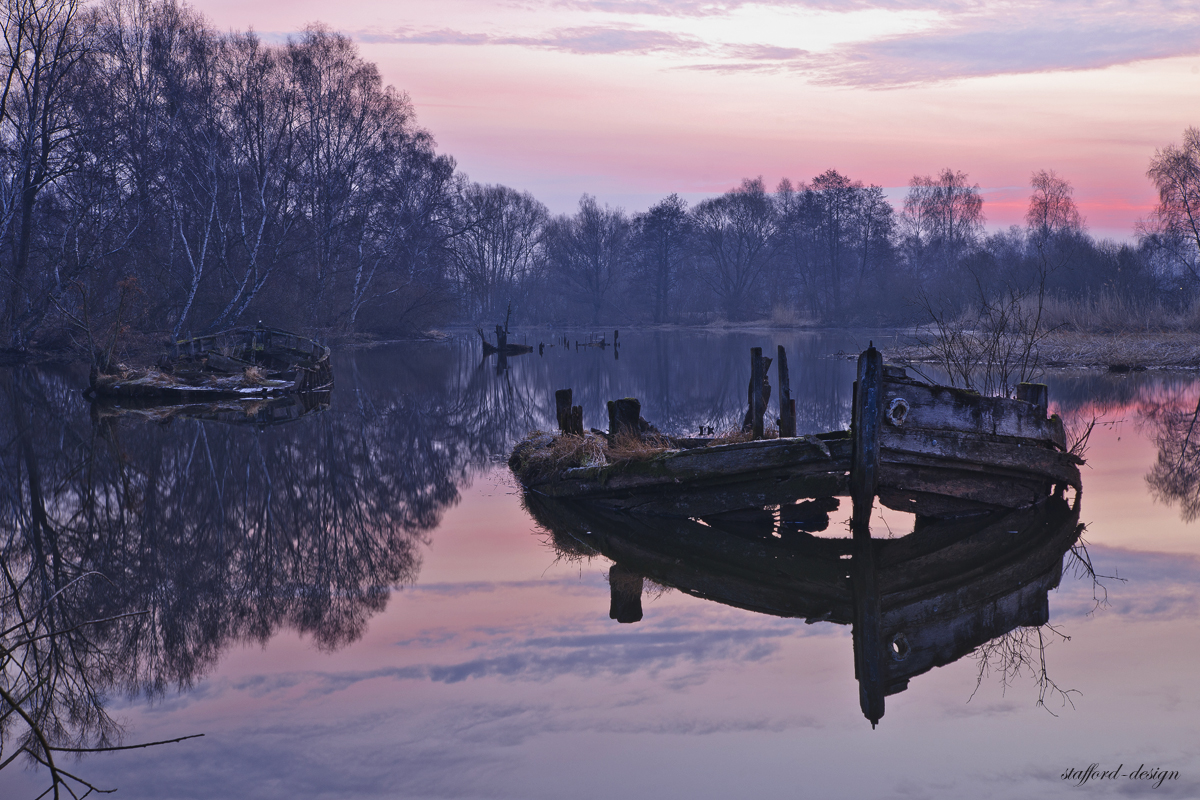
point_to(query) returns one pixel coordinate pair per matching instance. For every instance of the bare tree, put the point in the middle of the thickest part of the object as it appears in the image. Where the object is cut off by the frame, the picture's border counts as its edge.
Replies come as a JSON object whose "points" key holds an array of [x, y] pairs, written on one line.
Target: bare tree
{"points": [[589, 252], [737, 235], [496, 247], [45, 41], [1174, 229], [663, 241]]}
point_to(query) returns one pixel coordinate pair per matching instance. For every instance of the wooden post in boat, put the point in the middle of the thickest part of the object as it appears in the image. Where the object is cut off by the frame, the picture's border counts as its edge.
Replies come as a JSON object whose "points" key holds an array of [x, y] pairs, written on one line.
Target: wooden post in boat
{"points": [[864, 482], [562, 407], [501, 338], [757, 405], [574, 421], [787, 406], [867, 416], [625, 594], [1036, 393], [624, 416]]}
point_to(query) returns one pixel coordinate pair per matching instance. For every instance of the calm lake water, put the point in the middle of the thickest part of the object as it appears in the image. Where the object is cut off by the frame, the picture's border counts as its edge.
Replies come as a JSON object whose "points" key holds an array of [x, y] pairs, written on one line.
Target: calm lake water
{"points": [[356, 604]]}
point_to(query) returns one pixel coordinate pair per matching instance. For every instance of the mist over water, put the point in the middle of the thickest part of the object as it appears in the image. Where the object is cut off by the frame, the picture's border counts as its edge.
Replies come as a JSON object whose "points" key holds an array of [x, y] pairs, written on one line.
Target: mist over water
{"points": [[356, 603]]}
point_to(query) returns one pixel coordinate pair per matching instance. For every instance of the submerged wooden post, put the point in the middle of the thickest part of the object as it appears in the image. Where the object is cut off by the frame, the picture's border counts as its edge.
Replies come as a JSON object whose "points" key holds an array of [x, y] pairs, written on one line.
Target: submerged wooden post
{"points": [[867, 416], [787, 406], [562, 407], [1036, 393], [624, 416], [757, 406], [625, 594]]}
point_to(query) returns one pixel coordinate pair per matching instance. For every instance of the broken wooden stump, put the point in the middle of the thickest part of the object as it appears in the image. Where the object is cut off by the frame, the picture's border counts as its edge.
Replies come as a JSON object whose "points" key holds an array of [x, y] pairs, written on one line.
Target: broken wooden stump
{"points": [[758, 394], [562, 407], [624, 416], [574, 421], [867, 418], [787, 404], [1036, 393]]}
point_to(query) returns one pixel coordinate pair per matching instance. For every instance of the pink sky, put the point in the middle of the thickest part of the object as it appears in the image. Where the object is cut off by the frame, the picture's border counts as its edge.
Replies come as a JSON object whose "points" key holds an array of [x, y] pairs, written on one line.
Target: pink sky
{"points": [[630, 100]]}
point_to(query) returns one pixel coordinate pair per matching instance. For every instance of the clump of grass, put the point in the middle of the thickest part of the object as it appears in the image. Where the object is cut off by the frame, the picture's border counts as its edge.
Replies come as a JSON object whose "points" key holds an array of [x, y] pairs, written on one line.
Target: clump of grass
{"points": [[735, 435], [541, 454], [626, 447], [252, 376]]}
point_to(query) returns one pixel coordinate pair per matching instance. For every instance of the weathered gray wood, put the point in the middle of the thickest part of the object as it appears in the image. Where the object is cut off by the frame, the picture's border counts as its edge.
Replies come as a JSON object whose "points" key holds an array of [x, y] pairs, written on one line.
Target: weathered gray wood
{"points": [[946, 408], [722, 463], [757, 406], [867, 413], [787, 405], [763, 391], [562, 407], [978, 452], [574, 420], [1037, 394], [625, 594], [624, 416], [501, 339]]}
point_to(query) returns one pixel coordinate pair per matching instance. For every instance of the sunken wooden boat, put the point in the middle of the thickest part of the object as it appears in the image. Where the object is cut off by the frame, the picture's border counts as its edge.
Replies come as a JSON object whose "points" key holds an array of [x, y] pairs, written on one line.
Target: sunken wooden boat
{"points": [[502, 346], [238, 364], [942, 591], [937, 445]]}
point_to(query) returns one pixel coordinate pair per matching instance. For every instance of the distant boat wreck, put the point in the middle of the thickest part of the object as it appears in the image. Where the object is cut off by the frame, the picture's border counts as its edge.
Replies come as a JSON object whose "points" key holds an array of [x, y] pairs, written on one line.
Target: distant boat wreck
{"points": [[502, 346], [249, 364], [936, 451]]}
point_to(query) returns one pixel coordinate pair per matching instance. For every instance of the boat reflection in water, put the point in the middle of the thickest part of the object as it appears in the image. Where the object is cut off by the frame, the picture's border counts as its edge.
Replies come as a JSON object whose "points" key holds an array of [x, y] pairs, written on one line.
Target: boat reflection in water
{"points": [[943, 591]]}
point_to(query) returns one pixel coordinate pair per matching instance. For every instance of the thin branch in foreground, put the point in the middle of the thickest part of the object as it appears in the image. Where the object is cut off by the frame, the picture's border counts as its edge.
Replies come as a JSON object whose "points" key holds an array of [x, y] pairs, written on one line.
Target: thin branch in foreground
{"points": [[125, 746]]}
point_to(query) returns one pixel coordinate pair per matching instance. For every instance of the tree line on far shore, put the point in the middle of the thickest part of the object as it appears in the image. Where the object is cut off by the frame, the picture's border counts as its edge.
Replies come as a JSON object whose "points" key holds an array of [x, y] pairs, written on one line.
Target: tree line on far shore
{"points": [[159, 176]]}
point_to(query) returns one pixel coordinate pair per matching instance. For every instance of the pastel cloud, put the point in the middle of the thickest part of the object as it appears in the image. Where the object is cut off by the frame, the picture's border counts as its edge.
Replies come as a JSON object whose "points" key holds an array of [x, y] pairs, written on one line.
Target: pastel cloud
{"points": [[950, 40], [589, 40]]}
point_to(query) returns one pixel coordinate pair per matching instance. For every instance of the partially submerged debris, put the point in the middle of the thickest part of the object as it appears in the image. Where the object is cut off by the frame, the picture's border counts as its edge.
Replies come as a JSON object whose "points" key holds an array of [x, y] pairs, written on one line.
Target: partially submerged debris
{"points": [[242, 363], [993, 452]]}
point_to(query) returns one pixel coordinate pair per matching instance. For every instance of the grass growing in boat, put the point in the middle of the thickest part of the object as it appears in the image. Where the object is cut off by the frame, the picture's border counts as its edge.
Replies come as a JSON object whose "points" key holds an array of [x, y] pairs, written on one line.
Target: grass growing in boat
{"points": [[736, 435], [542, 453], [632, 447]]}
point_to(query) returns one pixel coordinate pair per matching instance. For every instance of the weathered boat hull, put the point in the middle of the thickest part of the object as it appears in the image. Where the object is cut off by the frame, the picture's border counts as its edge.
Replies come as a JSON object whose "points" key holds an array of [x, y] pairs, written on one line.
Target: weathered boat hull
{"points": [[243, 364], [939, 448]]}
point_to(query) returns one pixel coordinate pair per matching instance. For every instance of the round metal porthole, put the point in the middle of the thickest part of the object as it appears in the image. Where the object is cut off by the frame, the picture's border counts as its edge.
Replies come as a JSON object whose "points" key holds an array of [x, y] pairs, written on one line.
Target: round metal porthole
{"points": [[897, 411], [899, 647]]}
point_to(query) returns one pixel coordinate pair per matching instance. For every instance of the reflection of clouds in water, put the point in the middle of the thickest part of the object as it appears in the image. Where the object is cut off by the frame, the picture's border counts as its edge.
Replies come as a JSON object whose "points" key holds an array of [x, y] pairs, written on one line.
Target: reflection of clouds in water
{"points": [[1157, 587], [548, 658]]}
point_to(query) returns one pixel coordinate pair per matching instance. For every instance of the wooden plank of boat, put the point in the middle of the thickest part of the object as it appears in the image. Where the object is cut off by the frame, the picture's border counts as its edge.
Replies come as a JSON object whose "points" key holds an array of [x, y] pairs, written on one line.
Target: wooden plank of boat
{"points": [[910, 405]]}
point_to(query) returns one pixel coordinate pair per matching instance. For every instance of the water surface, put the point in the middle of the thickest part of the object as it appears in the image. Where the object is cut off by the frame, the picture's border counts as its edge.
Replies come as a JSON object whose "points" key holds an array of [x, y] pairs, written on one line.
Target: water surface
{"points": [[356, 604]]}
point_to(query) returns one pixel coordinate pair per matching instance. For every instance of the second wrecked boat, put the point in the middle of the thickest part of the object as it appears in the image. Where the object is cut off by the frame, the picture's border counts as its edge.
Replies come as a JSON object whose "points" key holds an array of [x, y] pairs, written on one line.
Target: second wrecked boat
{"points": [[243, 363]]}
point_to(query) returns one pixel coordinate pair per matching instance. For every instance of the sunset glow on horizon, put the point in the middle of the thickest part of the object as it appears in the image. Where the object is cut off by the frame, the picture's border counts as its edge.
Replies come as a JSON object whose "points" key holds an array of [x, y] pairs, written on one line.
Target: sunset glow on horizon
{"points": [[630, 100]]}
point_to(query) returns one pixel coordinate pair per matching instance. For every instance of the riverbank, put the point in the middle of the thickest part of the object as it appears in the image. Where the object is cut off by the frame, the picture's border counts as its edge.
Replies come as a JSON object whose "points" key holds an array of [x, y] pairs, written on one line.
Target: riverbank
{"points": [[1114, 352]]}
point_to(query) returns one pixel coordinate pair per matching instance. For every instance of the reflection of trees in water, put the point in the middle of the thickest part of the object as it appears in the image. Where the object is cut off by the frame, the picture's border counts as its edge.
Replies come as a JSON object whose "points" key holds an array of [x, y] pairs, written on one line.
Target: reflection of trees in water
{"points": [[1175, 476], [219, 533], [682, 380]]}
